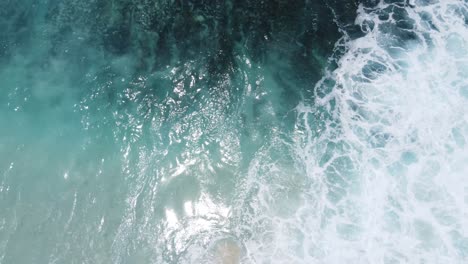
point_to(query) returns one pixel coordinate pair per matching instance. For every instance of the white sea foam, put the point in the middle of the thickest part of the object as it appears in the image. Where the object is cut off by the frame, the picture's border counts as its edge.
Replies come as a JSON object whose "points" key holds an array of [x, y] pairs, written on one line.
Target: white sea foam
{"points": [[384, 149]]}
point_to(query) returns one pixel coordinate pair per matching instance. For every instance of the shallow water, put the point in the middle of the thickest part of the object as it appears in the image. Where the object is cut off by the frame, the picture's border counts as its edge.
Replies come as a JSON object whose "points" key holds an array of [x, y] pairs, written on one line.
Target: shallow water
{"points": [[268, 132]]}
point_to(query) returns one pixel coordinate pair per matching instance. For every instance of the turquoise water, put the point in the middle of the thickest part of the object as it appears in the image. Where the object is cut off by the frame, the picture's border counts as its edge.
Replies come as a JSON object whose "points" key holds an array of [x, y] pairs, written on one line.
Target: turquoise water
{"points": [[280, 131]]}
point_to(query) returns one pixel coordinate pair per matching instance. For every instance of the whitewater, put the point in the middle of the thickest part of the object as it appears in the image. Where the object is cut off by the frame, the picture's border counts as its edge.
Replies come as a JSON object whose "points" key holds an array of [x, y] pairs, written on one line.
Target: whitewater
{"points": [[392, 163]]}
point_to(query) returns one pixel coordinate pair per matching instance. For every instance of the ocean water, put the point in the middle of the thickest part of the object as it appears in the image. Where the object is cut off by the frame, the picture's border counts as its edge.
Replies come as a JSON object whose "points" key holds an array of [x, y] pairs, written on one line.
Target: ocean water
{"points": [[167, 131]]}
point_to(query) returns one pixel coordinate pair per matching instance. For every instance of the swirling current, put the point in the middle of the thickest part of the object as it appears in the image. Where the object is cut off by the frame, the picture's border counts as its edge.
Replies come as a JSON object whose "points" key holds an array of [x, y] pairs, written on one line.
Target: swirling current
{"points": [[237, 131]]}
